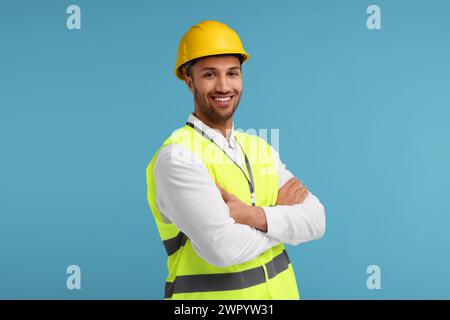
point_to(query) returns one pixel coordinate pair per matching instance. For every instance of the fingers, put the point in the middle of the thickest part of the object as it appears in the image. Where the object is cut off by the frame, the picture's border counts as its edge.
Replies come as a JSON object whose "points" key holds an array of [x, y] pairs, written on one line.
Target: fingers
{"points": [[299, 190], [290, 183], [298, 193], [296, 187], [301, 194], [225, 195], [292, 186]]}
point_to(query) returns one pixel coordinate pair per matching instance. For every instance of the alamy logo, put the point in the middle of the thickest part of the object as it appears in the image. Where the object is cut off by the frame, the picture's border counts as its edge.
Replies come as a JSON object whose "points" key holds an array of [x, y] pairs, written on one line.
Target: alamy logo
{"points": [[74, 20], [74, 279], [374, 20], [374, 280]]}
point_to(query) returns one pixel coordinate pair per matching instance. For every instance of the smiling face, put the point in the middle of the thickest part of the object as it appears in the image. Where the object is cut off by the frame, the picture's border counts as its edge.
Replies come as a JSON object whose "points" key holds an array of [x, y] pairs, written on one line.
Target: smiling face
{"points": [[216, 83]]}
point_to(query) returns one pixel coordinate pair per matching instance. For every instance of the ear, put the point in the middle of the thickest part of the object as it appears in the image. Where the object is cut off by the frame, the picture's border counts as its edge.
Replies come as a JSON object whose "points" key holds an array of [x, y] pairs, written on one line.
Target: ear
{"points": [[189, 83]]}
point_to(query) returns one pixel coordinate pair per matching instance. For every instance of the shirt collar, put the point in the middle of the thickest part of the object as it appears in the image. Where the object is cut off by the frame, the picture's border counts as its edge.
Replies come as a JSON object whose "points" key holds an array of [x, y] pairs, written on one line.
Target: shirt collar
{"points": [[213, 133]]}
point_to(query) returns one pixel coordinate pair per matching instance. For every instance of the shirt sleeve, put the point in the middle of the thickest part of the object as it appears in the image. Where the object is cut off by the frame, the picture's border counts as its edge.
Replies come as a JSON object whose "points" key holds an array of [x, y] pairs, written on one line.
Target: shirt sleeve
{"points": [[188, 197], [297, 223]]}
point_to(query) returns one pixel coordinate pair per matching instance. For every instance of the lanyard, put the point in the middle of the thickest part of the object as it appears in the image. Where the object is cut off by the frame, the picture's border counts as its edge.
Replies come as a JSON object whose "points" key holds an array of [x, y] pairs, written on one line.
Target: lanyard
{"points": [[251, 184]]}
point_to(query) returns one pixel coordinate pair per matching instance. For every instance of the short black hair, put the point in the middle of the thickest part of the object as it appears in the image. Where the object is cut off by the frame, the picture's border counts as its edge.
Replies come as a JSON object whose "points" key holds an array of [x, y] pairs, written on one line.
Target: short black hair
{"points": [[187, 66]]}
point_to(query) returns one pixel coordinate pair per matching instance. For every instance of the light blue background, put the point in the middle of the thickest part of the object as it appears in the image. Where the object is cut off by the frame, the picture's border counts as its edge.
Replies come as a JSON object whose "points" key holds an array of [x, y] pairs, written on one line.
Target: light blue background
{"points": [[363, 118]]}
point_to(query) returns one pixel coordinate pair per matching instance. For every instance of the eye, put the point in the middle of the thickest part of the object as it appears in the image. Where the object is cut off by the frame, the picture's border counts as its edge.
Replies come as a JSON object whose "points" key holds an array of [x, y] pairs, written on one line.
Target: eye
{"points": [[234, 74], [209, 75]]}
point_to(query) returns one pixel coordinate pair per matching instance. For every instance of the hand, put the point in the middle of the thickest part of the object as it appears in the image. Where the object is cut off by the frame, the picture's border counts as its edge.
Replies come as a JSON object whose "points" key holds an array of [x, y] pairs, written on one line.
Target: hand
{"points": [[243, 213], [293, 192]]}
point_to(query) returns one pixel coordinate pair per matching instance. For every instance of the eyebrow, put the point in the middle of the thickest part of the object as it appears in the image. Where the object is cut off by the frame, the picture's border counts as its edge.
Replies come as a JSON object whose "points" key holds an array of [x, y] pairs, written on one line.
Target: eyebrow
{"points": [[215, 69]]}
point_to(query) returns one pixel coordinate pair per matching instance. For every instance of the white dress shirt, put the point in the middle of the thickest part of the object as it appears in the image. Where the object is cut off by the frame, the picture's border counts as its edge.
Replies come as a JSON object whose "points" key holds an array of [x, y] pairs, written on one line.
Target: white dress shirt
{"points": [[187, 196]]}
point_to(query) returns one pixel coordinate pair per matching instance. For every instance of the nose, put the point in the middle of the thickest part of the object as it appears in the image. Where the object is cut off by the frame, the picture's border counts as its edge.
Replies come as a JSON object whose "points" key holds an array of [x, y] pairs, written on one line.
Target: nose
{"points": [[222, 85]]}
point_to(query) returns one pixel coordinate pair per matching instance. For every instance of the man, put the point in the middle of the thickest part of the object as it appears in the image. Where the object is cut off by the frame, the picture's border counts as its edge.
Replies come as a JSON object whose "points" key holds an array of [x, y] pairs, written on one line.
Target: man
{"points": [[223, 202]]}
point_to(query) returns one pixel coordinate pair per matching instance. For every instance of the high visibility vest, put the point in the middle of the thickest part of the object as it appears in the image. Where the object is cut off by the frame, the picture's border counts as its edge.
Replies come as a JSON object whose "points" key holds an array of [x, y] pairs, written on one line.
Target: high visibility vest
{"points": [[268, 276]]}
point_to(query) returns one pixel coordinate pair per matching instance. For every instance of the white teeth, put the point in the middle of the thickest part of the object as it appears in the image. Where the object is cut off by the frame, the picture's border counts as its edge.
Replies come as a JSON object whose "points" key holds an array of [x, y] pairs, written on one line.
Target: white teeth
{"points": [[222, 99]]}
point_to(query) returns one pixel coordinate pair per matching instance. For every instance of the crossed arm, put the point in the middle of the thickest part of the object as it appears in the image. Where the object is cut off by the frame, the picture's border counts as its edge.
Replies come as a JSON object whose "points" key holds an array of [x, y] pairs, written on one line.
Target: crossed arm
{"points": [[223, 230], [291, 193]]}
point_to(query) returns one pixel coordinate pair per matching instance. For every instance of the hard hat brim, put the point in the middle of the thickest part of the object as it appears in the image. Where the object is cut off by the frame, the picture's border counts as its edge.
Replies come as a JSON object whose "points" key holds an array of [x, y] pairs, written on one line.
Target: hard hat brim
{"points": [[179, 72]]}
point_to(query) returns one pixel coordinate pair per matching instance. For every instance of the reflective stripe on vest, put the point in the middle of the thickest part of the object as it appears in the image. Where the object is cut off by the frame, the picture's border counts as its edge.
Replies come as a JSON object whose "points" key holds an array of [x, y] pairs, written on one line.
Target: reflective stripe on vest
{"points": [[175, 243], [227, 281]]}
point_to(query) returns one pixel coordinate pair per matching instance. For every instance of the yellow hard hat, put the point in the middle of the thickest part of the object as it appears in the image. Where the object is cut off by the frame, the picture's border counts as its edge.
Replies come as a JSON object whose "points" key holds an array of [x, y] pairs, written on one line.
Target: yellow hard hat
{"points": [[208, 38]]}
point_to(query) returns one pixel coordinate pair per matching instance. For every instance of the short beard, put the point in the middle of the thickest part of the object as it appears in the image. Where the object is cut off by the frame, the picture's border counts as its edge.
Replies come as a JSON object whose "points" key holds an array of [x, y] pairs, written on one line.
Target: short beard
{"points": [[212, 115]]}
